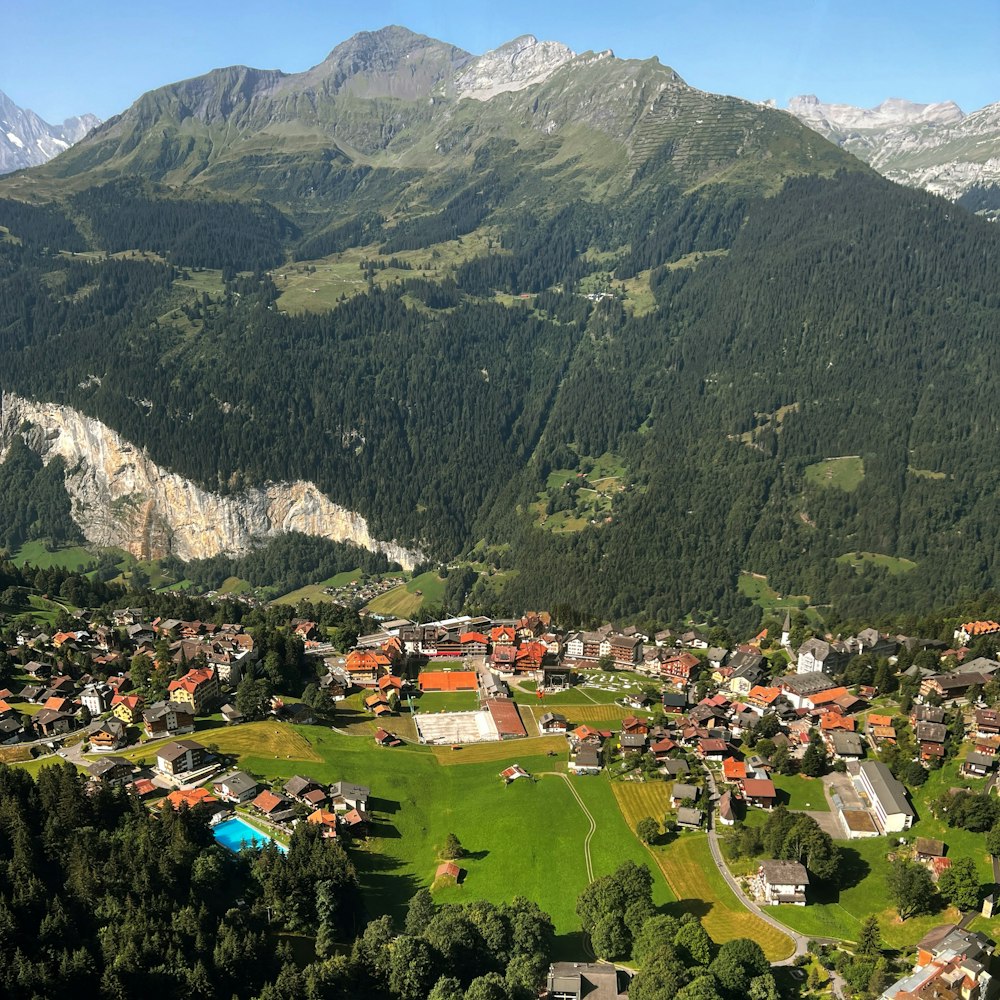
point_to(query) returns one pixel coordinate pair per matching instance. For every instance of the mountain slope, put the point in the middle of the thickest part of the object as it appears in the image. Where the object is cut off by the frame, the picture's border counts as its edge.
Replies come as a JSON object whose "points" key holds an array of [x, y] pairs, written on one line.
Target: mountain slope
{"points": [[449, 312], [27, 141], [931, 146]]}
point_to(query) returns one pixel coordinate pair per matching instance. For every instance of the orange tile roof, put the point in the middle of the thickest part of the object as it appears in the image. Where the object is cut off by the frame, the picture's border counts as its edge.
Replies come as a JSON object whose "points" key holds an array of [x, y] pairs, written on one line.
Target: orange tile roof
{"points": [[472, 637], [831, 694], [191, 797], [759, 788], [980, 628], [130, 701], [267, 801], [192, 680], [879, 720], [733, 769], [4, 707], [833, 721], [764, 694], [447, 680], [323, 817]]}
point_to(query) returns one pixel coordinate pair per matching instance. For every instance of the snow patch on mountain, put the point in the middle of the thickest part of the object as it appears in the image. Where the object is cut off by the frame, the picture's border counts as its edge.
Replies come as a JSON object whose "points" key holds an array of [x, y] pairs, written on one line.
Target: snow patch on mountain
{"points": [[28, 140], [515, 65]]}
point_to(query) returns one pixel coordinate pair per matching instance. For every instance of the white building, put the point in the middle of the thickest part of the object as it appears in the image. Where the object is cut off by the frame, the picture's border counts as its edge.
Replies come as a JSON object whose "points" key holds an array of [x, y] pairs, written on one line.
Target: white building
{"points": [[783, 882], [887, 797]]}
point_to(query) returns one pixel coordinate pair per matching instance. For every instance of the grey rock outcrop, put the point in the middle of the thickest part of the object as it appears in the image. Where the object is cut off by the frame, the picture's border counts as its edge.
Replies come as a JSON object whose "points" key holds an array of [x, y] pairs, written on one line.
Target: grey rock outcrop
{"points": [[121, 498]]}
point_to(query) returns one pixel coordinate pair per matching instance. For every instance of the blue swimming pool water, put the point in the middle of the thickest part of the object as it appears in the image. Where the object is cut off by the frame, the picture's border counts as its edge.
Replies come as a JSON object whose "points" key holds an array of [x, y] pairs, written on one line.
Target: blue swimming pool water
{"points": [[235, 834]]}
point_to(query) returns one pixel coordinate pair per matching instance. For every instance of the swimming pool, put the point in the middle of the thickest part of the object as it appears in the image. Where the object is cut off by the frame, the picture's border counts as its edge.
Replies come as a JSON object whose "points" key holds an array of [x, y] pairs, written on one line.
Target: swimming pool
{"points": [[235, 834]]}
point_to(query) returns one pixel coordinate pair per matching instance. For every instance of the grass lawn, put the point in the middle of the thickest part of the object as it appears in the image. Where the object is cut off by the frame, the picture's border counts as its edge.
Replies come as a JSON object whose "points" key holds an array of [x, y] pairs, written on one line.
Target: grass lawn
{"points": [[72, 557], [514, 843], [314, 592], [477, 753], [845, 472], [408, 598], [801, 792], [638, 799], [894, 564], [687, 864]]}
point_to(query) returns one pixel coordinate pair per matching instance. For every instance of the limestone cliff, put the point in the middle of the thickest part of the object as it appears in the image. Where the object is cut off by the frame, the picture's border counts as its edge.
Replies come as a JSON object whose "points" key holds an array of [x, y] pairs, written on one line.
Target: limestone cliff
{"points": [[121, 498]]}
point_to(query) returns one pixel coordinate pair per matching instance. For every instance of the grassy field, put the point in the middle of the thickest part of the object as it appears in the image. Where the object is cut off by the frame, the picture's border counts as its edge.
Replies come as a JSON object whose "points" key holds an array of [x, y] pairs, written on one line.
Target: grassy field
{"points": [[692, 875], [802, 793], [314, 592], [408, 598], [607, 477], [638, 799], [894, 564], [755, 587], [510, 832], [447, 701], [478, 753], [72, 557], [844, 473]]}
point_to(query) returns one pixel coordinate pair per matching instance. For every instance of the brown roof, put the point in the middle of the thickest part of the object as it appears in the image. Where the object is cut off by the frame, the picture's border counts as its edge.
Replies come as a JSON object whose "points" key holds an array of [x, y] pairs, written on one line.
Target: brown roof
{"points": [[448, 870], [506, 717], [759, 788], [267, 801]]}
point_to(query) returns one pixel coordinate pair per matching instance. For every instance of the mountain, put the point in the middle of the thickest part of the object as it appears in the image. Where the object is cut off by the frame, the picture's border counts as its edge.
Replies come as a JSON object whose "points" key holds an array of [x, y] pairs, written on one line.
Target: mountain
{"points": [[27, 141], [936, 147], [609, 338]]}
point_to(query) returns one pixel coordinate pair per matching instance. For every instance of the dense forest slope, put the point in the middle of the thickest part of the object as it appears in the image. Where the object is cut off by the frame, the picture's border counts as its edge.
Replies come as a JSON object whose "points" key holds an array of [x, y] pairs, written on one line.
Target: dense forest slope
{"points": [[622, 336]]}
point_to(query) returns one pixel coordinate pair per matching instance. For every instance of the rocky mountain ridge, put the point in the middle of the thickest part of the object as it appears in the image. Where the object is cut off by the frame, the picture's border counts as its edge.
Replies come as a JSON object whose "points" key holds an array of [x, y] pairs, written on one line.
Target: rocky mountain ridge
{"points": [[121, 498], [936, 147], [26, 140]]}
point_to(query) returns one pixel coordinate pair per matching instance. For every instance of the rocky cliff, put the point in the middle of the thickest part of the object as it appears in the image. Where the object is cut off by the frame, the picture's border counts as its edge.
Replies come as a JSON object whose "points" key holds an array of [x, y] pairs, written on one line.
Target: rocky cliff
{"points": [[121, 498]]}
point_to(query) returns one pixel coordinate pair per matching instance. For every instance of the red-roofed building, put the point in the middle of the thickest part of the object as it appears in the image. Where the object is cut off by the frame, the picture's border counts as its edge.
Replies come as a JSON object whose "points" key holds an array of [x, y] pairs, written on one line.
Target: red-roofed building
{"points": [[191, 798], [503, 635], [831, 720], [733, 769], [678, 669], [268, 802], [198, 689], [473, 643], [760, 792], [712, 749], [128, 708], [506, 718], [325, 819], [366, 666]]}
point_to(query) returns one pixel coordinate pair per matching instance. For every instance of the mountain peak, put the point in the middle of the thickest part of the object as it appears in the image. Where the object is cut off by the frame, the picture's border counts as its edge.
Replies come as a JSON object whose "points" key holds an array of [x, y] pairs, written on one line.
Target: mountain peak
{"points": [[390, 62], [892, 111], [26, 140], [515, 65]]}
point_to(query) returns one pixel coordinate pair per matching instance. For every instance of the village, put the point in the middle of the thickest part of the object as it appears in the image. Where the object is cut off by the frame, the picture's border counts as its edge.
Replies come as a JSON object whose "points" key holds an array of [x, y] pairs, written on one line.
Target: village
{"points": [[712, 741]]}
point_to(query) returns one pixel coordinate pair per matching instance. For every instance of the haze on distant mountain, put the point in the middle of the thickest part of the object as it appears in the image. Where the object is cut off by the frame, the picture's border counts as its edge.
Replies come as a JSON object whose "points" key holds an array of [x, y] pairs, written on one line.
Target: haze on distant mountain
{"points": [[936, 147], [26, 140]]}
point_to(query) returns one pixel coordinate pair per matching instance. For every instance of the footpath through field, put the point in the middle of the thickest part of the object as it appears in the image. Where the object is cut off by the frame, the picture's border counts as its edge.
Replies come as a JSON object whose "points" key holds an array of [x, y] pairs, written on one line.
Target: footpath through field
{"points": [[586, 812]]}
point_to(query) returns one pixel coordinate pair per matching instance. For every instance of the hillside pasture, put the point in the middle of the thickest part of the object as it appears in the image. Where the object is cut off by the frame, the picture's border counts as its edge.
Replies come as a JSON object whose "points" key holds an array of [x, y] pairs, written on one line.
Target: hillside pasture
{"points": [[845, 472]]}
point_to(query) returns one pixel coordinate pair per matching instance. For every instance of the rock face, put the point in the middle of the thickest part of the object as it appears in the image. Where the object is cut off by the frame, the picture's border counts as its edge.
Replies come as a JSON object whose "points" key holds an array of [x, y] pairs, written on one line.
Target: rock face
{"points": [[932, 146], [26, 140], [513, 66], [121, 498]]}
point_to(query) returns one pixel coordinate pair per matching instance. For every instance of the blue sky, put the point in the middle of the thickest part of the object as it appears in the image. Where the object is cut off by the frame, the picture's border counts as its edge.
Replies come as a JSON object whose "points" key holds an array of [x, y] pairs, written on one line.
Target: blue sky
{"points": [[63, 57]]}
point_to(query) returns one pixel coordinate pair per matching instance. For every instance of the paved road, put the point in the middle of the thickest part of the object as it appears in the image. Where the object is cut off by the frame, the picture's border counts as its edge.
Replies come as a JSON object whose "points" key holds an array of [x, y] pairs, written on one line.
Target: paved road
{"points": [[801, 942]]}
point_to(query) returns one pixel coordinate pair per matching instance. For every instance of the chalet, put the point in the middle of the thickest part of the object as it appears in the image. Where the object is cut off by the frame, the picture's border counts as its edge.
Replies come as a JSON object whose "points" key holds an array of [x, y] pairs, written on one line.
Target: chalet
{"points": [[674, 701], [111, 770], [502, 635], [733, 769], [661, 748], [586, 760], [675, 768], [682, 792], [820, 656], [473, 643], [633, 743], [832, 722], [49, 722], [377, 705], [366, 666], [386, 739], [107, 736], [760, 792], [32, 693], [951, 962], [553, 724], [96, 698], [189, 798], [927, 713], [690, 819], [716, 657], [181, 757], [584, 735], [297, 713], [950, 686], [345, 795], [977, 764], [987, 722], [886, 796], [273, 804], [578, 980], [326, 820], [167, 718], [231, 714], [928, 849], [297, 787], [713, 749], [797, 688], [11, 730], [236, 787], [968, 631], [679, 669], [128, 708], [783, 882], [989, 745], [845, 746], [931, 736], [198, 690]]}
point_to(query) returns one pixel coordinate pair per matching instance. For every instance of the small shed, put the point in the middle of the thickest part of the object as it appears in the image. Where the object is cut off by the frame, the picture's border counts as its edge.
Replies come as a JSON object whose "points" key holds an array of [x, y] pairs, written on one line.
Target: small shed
{"points": [[449, 871]]}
